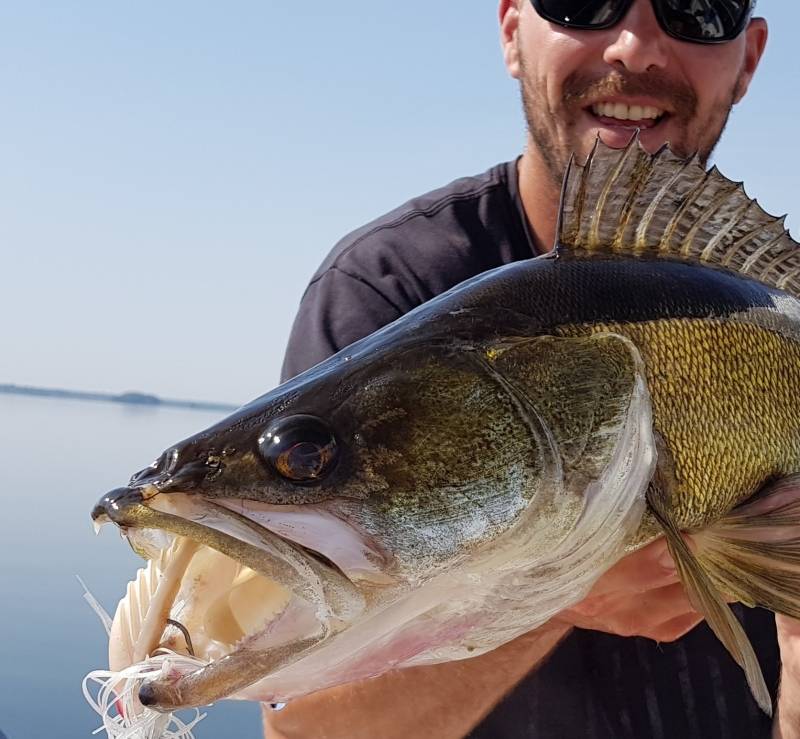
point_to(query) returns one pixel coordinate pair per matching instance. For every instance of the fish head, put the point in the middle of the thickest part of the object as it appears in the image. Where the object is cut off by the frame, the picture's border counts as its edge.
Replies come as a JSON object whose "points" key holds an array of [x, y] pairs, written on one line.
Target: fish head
{"points": [[362, 516]]}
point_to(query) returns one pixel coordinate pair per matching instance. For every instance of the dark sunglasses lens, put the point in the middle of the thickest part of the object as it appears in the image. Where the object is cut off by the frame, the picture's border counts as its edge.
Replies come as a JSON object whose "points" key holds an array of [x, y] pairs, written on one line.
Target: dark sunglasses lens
{"points": [[580, 13], [704, 20]]}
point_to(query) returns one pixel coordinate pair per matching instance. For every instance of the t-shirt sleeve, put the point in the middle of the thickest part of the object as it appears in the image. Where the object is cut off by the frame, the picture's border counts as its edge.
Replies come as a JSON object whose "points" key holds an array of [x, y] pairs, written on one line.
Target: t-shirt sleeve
{"points": [[337, 309]]}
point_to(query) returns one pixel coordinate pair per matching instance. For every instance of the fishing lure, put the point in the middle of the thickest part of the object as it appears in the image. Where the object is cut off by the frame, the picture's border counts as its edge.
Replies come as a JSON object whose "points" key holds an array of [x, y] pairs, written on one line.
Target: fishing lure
{"points": [[113, 694]]}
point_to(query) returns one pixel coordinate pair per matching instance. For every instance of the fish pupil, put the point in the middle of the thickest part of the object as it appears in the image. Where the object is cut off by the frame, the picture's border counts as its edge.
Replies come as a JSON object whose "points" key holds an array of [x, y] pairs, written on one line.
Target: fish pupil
{"points": [[303, 461], [301, 448]]}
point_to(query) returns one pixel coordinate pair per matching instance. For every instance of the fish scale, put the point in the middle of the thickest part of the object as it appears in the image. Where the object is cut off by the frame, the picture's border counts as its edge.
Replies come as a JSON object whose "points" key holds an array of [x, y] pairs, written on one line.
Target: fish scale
{"points": [[724, 400]]}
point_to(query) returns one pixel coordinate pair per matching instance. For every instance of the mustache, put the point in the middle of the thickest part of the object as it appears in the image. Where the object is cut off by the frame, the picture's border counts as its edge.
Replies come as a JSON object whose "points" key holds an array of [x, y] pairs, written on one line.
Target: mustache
{"points": [[580, 87]]}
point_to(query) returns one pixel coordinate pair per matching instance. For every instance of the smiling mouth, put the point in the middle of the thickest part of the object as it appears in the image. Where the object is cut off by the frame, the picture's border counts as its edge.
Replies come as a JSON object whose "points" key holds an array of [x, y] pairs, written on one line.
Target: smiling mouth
{"points": [[623, 115]]}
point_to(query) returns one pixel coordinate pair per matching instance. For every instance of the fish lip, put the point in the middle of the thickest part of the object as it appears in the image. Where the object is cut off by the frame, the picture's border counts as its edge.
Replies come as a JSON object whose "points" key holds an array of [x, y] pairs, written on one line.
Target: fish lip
{"points": [[115, 503]]}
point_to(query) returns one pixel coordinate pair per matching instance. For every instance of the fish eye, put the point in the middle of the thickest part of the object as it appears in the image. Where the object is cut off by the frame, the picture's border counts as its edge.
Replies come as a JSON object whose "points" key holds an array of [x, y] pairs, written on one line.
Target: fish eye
{"points": [[300, 448]]}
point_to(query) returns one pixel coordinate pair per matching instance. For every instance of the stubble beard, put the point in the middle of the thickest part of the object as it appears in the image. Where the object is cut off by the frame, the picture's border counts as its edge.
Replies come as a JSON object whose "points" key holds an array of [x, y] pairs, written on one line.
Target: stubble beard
{"points": [[552, 131]]}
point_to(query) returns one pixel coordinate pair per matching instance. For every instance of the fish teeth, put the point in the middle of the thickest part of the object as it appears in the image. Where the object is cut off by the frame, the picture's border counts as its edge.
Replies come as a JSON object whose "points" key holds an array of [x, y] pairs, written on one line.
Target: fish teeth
{"points": [[625, 112]]}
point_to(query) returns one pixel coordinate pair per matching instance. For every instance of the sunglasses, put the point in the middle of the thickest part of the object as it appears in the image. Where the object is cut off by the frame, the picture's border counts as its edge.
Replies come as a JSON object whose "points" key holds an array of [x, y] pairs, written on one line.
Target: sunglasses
{"points": [[698, 21]]}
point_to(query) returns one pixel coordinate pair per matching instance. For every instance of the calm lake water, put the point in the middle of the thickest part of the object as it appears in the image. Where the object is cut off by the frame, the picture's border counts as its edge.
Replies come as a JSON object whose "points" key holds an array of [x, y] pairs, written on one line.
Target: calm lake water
{"points": [[58, 457]]}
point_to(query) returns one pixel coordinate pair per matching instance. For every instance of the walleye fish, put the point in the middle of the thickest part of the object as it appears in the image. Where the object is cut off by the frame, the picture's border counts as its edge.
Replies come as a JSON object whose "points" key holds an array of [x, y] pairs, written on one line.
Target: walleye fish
{"points": [[460, 476]]}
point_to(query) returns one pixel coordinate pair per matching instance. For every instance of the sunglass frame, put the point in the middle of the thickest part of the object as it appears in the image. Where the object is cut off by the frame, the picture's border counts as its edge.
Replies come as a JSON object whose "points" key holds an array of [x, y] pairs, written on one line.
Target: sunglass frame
{"points": [[623, 6]]}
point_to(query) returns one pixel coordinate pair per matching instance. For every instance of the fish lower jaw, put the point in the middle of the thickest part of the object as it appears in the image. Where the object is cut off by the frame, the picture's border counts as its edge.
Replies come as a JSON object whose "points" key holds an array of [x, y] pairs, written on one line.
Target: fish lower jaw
{"points": [[197, 602]]}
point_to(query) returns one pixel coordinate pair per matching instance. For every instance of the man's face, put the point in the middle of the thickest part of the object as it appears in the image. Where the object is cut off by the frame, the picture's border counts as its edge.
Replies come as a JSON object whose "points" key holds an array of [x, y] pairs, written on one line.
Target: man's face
{"points": [[577, 85]]}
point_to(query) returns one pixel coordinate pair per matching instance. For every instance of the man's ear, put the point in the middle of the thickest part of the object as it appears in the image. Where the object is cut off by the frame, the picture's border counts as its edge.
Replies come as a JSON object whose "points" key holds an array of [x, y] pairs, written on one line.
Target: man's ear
{"points": [[509, 23], [755, 39]]}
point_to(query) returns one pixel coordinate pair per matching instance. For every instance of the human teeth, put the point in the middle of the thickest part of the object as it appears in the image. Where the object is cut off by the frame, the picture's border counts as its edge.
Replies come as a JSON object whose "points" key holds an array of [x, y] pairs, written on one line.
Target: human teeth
{"points": [[624, 112]]}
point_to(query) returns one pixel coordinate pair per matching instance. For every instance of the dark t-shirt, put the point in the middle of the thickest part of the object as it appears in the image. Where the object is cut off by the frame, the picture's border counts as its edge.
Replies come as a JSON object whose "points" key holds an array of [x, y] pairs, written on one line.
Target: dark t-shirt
{"points": [[594, 686]]}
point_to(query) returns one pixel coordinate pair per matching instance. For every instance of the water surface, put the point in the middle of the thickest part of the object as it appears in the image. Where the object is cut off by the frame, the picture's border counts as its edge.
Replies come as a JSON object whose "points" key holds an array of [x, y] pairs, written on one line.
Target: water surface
{"points": [[57, 457]]}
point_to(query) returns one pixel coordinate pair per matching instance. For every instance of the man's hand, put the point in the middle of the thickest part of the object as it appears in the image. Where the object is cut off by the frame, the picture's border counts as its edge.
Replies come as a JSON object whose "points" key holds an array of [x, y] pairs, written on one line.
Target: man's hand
{"points": [[640, 595], [787, 719]]}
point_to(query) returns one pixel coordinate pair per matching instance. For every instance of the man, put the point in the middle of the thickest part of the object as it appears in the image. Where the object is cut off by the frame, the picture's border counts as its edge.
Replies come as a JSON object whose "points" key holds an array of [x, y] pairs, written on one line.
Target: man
{"points": [[642, 64]]}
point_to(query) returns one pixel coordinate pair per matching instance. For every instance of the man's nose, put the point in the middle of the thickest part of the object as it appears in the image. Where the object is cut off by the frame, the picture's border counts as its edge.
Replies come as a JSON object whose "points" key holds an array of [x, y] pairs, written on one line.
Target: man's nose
{"points": [[637, 43]]}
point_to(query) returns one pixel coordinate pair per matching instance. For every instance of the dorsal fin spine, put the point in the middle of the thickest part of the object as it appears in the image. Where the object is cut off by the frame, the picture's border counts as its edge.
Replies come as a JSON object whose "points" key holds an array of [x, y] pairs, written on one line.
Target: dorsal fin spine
{"points": [[716, 203], [561, 236], [628, 209], [599, 211], [641, 230], [780, 259], [760, 252], [688, 200], [630, 203], [740, 243], [717, 239], [790, 275], [584, 184]]}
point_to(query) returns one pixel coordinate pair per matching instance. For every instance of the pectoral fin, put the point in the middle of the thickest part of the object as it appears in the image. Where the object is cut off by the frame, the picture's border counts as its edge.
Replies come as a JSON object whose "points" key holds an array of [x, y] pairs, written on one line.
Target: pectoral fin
{"points": [[754, 552], [705, 595]]}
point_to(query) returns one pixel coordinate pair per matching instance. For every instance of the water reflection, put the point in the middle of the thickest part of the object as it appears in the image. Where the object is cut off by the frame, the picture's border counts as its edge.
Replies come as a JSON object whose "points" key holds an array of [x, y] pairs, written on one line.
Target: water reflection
{"points": [[58, 457]]}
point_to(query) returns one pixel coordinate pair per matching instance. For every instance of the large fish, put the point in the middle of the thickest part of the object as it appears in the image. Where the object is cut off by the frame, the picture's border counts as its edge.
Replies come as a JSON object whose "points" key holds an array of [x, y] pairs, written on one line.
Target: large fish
{"points": [[457, 478]]}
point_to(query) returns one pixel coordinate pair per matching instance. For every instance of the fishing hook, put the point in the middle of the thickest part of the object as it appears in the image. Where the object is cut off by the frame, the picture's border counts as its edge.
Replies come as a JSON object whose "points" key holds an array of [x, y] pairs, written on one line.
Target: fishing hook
{"points": [[178, 625]]}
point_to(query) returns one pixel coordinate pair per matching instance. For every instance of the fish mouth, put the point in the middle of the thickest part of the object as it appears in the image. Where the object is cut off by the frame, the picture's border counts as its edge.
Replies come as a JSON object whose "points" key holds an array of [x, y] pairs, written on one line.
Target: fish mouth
{"points": [[223, 587]]}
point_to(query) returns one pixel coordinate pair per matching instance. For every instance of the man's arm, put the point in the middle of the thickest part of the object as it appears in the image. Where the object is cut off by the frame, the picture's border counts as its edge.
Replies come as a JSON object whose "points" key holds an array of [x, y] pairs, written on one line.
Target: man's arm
{"points": [[441, 701]]}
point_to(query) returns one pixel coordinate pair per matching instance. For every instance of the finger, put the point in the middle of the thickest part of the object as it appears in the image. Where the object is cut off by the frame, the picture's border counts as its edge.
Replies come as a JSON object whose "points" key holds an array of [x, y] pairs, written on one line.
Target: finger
{"points": [[648, 568], [789, 642], [676, 628], [656, 614], [788, 628], [640, 615]]}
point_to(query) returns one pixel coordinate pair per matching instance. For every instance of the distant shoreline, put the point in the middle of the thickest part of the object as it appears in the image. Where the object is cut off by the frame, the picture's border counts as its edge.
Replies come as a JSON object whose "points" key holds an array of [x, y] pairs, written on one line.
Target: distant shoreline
{"points": [[127, 398]]}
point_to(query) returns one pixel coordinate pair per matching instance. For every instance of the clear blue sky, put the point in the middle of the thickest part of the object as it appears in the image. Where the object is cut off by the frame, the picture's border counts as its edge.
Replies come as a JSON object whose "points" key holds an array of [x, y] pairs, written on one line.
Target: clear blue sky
{"points": [[172, 173]]}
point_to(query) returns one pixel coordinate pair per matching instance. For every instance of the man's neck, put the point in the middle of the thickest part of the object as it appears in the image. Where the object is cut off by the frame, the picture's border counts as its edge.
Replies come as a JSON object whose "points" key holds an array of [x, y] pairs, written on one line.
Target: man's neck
{"points": [[540, 198]]}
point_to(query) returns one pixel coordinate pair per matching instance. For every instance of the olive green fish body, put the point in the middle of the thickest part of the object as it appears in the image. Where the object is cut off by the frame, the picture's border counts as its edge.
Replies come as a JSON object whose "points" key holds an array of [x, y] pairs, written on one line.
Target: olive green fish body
{"points": [[726, 407], [465, 473]]}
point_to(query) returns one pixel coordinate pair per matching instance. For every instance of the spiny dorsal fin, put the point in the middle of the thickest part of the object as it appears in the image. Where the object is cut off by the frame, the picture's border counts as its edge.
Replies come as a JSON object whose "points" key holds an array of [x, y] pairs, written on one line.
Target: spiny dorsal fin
{"points": [[628, 202]]}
